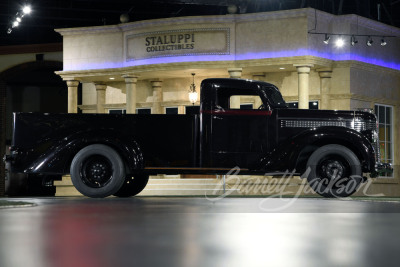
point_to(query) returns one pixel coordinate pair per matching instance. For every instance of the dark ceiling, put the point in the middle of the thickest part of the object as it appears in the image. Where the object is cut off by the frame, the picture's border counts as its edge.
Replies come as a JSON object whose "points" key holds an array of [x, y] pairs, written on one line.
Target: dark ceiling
{"points": [[47, 15]]}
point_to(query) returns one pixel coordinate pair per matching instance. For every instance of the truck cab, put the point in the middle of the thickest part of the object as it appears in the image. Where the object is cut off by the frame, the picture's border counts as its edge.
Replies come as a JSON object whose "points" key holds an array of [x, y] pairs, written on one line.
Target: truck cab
{"points": [[233, 136]]}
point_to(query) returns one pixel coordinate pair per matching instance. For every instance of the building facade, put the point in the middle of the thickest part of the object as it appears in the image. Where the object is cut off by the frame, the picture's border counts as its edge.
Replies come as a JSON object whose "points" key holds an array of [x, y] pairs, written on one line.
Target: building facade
{"points": [[146, 66]]}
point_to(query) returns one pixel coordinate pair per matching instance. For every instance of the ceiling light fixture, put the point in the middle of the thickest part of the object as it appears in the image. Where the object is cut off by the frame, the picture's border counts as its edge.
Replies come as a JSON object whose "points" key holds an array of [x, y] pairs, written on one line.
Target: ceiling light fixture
{"points": [[192, 92], [353, 40], [327, 38], [18, 18], [369, 41]]}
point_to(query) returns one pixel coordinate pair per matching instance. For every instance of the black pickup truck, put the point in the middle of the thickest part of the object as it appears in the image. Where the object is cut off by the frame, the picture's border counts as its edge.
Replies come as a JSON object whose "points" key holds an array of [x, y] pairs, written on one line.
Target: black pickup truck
{"points": [[115, 154]]}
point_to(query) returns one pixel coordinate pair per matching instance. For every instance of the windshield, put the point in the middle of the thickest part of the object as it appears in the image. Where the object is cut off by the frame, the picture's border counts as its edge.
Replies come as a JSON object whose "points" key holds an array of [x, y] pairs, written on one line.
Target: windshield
{"points": [[274, 97]]}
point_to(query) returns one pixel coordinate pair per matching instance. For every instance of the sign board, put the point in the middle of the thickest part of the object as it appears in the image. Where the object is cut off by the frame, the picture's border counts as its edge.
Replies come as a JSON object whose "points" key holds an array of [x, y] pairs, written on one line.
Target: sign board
{"points": [[184, 42]]}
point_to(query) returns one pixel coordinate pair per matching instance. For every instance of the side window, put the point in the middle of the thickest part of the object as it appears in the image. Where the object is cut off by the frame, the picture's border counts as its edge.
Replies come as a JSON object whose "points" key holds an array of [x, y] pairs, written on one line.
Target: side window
{"points": [[117, 111], [143, 111], [246, 106], [249, 102], [171, 110], [384, 114], [311, 104]]}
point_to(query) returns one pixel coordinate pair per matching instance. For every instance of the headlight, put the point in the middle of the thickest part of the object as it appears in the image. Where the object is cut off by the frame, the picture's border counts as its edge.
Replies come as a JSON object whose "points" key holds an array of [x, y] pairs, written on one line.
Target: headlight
{"points": [[375, 137]]}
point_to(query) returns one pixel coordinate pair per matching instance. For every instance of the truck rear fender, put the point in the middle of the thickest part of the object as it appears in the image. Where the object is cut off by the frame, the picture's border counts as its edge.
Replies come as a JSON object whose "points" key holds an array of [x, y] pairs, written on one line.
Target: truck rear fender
{"points": [[58, 158], [294, 152], [126, 146]]}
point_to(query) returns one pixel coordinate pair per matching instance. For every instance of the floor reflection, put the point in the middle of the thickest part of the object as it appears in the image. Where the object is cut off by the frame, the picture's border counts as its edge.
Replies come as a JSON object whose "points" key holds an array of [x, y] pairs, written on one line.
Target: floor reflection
{"points": [[192, 232]]}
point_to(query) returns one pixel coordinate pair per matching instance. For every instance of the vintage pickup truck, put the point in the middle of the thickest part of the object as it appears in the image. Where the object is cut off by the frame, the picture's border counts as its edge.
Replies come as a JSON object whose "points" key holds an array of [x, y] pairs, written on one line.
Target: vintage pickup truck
{"points": [[115, 154]]}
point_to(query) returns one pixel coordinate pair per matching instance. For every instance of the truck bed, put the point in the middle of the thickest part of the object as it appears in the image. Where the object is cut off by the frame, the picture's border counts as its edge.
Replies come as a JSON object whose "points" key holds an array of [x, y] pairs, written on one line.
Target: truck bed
{"points": [[166, 141]]}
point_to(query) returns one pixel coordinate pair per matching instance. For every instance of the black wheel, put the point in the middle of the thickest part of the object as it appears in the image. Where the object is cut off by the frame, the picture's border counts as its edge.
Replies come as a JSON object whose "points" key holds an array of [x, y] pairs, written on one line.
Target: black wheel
{"points": [[334, 171], [97, 171], [133, 185]]}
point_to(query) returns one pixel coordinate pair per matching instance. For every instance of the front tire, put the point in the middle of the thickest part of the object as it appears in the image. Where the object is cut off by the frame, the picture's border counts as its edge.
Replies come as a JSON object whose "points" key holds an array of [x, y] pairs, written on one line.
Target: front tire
{"points": [[97, 171], [334, 171], [134, 184]]}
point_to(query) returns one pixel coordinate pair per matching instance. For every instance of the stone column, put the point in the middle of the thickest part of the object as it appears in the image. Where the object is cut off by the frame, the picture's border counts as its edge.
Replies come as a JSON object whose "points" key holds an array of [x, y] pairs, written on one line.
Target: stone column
{"points": [[325, 75], [258, 77], [101, 97], [235, 73], [304, 85], [157, 97], [72, 96], [130, 83]]}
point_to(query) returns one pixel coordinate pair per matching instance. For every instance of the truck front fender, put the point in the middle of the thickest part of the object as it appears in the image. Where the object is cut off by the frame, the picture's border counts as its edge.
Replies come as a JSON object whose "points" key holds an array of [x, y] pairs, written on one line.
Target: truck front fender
{"points": [[293, 153], [58, 157]]}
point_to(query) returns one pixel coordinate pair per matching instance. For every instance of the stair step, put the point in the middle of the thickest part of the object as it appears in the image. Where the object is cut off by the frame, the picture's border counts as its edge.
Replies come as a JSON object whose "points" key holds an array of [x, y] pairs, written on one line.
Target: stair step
{"points": [[186, 192], [160, 187], [195, 187]]}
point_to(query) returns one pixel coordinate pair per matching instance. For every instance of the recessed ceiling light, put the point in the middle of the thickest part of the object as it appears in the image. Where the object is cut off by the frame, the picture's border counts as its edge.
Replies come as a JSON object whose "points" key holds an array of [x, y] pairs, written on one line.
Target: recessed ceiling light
{"points": [[111, 78], [281, 68]]}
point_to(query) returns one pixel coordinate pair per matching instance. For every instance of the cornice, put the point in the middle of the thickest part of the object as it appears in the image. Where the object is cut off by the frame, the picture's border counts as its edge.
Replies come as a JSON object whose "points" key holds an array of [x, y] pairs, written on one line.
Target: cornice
{"points": [[364, 66], [88, 30], [316, 61]]}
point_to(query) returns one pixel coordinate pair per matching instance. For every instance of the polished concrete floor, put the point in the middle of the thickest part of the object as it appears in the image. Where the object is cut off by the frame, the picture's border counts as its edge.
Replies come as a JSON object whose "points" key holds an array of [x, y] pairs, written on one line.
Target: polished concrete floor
{"points": [[148, 231]]}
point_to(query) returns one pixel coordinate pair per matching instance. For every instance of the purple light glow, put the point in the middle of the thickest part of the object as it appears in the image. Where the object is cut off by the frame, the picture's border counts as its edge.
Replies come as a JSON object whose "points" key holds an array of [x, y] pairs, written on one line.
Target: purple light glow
{"points": [[244, 56]]}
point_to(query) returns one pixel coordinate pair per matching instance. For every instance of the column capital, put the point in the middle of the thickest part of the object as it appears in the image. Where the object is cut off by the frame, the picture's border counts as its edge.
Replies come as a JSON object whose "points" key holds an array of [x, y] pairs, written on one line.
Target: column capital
{"points": [[303, 68], [235, 72], [156, 83], [100, 86], [325, 73], [72, 83], [130, 78]]}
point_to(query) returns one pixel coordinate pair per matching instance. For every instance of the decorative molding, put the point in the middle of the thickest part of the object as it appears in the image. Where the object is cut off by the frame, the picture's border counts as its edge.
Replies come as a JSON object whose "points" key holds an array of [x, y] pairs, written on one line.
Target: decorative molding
{"points": [[88, 30]]}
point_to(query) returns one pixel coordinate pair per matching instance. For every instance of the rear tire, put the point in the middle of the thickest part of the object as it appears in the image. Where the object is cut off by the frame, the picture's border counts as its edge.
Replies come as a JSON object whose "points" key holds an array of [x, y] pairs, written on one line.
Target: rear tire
{"points": [[334, 171], [97, 171], [133, 185]]}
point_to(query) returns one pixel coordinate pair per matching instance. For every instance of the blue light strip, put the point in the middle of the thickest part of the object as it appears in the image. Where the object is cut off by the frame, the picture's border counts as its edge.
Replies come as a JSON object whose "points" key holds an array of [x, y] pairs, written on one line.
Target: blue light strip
{"points": [[245, 56]]}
